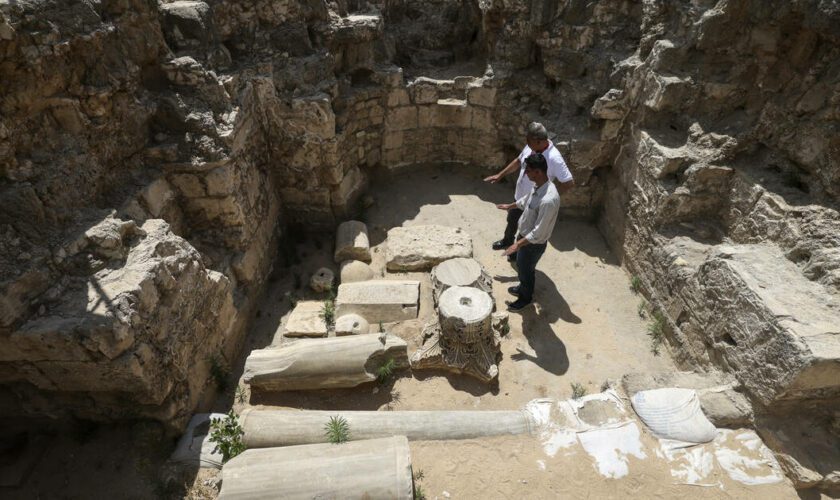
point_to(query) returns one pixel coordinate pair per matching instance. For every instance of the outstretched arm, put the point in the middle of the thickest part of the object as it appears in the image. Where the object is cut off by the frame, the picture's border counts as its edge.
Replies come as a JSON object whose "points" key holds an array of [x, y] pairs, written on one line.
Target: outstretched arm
{"points": [[510, 168]]}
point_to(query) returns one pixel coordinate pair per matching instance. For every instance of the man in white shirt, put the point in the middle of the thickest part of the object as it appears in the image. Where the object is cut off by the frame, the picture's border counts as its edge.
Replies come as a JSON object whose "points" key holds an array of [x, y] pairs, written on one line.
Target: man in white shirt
{"points": [[536, 139], [539, 213]]}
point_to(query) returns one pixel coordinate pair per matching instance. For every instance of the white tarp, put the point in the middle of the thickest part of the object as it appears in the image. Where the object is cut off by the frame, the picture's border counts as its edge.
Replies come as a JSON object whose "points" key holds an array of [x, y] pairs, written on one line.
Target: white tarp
{"points": [[674, 414], [195, 446]]}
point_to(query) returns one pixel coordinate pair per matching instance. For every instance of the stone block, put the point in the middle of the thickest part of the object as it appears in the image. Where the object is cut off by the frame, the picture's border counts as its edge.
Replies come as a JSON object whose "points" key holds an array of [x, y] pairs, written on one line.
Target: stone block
{"points": [[420, 248], [351, 324], [774, 328], [189, 185], [355, 270], [397, 98], [393, 140], [404, 118], [220, 181], [482, 119], [306, 321], [481, 96], [610, 106], [157, 196], [351, 242], [345, 194], [380, 300], [452, 113], [667, 93], [424, 93]]}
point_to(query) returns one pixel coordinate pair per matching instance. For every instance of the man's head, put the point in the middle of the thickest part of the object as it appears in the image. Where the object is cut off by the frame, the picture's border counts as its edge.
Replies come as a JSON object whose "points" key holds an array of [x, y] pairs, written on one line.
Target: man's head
{"points": [[536, 168], [536, 136]]}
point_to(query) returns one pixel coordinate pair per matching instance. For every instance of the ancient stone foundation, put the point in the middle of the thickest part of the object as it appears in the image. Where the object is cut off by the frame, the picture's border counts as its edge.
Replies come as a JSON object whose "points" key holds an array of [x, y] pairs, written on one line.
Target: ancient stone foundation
{"points": [[155, 155]]}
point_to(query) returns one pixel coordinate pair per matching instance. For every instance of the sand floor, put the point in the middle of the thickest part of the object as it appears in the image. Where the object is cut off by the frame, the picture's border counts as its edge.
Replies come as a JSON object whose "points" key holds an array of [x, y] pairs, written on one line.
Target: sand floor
{"points": [[585, 329]]}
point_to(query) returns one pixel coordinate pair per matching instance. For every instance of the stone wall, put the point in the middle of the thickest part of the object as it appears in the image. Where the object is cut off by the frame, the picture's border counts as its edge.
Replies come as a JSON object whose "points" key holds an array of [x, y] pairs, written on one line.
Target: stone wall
{"points": [[138, 214], [726, 122], [138, 135]]}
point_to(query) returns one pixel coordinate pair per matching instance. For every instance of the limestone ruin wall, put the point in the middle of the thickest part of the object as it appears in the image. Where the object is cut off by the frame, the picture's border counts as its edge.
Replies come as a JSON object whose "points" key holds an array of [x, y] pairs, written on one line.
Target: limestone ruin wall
{"points": [[153, 154]]}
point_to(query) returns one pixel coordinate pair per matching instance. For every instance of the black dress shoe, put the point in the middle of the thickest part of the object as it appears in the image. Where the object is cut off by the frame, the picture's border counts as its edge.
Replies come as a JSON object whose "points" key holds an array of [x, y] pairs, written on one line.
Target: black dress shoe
{"points": [[514, 290], [499, 245], [518, 305]]}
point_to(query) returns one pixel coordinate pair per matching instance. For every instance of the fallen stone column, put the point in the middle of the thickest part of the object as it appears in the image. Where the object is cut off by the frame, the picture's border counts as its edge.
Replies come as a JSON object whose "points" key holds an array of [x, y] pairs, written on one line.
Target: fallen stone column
{"points": [[323, 363], [266, 428], [376, 468]]}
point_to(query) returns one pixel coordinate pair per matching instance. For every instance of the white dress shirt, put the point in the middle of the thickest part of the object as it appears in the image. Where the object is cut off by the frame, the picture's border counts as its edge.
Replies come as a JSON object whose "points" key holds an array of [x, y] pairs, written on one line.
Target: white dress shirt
{"points": [[540, 208], [557, 169]]}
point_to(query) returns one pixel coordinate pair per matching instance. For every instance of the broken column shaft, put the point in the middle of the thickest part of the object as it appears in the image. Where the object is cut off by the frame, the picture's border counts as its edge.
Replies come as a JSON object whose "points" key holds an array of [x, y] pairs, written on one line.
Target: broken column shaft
{"points": [[377, 468], [265, 428], [323, 363]]}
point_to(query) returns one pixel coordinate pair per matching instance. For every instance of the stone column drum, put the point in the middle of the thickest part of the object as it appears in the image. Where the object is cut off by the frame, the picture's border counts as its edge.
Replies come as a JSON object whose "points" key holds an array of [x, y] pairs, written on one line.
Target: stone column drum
{"points": [[464, 339], [459, 272]]}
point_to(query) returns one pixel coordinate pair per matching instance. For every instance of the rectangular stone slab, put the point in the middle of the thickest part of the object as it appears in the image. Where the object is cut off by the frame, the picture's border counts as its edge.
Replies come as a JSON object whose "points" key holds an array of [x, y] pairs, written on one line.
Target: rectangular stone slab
{"points": [[306, 320], [379, 300], [420, 248], [779, 331]]}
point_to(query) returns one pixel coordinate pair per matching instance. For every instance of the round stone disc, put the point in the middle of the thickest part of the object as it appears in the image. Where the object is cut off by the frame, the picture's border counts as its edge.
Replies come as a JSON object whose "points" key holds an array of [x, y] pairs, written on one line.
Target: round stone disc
{"points": [[457, 272], [467, 303]]}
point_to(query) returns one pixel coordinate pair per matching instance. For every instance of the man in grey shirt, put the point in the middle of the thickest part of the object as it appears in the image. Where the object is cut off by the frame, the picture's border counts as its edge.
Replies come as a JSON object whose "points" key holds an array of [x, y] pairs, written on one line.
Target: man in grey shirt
{"points": [[539, 213]]}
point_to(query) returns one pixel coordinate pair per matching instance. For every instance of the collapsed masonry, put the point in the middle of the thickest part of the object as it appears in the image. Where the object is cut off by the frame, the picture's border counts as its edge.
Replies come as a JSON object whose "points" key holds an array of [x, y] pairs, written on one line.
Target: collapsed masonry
{"points": [[145, 144]]}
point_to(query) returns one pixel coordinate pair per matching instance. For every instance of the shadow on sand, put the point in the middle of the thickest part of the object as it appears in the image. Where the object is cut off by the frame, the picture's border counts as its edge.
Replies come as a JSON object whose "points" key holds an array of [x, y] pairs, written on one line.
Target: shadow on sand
{"points": [[536, 326]]}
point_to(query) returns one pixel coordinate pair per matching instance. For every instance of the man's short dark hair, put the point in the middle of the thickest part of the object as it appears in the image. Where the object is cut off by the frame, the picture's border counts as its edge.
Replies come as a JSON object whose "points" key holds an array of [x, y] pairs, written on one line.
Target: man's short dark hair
{"points": [[536, 131], [536, 160]]}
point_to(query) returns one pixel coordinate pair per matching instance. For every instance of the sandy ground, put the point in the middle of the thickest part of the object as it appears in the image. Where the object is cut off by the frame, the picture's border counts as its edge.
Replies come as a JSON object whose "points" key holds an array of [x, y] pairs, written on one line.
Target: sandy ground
{"points": [[585, 329]]}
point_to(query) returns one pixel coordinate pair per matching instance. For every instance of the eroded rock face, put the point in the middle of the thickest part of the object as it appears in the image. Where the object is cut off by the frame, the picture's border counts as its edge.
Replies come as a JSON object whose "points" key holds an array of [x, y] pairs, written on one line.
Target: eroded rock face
{"points": [[120, 332]]}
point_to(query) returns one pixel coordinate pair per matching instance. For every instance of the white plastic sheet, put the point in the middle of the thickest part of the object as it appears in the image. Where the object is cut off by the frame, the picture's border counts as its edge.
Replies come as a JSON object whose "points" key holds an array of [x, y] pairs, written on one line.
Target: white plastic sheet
{"points": [[674, 414]]}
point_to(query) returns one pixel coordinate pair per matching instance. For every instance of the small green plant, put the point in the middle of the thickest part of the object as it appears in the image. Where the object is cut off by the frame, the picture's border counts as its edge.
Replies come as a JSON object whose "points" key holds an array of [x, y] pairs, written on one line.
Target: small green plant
{"points": [[381, 328], [219, 371], [328, 313], [505, 329], [227, 434], [642, 309], [418, 490], [636, 284], [386, 370], [578, 390], [241, 395], [656, 332], [337, 430]]}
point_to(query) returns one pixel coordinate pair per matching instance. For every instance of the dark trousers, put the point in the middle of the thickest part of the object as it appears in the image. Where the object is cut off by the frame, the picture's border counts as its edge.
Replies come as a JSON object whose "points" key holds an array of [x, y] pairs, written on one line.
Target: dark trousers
{"points": [[513, 216], [526, 264]]}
